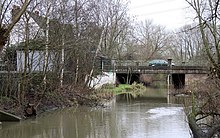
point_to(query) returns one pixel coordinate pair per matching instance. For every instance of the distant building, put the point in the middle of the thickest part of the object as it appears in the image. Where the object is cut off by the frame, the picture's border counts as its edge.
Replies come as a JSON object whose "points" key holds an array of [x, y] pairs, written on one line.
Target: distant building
{"points": [[36, 61], [60, 39], [34, 57]]}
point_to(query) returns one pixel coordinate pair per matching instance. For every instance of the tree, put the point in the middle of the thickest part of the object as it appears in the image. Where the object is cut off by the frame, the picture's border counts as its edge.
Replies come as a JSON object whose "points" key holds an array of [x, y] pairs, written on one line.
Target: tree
{"points": [[151, 40], [115, 21], [6, 27], [204, 118], [204, 115], [188, 46], [207, 14], [74, 33]]}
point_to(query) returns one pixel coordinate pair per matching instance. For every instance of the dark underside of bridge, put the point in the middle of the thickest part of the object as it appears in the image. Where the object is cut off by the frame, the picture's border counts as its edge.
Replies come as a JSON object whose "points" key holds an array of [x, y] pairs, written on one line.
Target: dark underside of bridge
{"points": [[178, 80], [124, 78]]}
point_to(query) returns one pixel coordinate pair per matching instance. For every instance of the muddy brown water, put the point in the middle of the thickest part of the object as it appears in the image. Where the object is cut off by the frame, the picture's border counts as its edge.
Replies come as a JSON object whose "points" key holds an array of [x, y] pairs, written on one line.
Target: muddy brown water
{"points": [[145, 117]]}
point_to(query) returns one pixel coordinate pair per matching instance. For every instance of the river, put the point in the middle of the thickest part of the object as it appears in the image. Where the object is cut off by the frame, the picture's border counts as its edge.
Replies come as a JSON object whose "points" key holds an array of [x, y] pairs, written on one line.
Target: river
{"points": [[140, 118]]}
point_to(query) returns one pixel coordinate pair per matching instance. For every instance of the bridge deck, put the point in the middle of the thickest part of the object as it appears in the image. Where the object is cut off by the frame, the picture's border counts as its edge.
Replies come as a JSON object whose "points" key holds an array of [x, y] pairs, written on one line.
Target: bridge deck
{"points": [[162, 69]]}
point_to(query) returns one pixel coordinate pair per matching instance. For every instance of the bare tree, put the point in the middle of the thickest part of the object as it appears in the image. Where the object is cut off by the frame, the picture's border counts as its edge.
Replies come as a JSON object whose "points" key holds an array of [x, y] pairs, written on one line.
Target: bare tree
{"points": [[188, 46], [111, 23], [72, 36], [116, 22], [207, 13], [5, 26], [152, 40], [204, 117]]}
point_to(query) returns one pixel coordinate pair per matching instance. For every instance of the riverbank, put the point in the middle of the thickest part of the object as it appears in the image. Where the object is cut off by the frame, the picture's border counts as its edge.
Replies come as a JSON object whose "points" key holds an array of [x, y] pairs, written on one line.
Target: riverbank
{"points": [[67, 96], [101, 90]]}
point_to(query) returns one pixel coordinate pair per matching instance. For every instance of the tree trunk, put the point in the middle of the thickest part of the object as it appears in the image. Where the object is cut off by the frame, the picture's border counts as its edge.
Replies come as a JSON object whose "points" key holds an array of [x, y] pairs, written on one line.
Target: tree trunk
{"points": [[5, 31]]}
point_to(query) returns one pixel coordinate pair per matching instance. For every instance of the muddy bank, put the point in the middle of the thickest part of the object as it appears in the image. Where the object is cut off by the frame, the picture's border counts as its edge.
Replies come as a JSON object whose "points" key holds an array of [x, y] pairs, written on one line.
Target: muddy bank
{"points": [[68, 96]]}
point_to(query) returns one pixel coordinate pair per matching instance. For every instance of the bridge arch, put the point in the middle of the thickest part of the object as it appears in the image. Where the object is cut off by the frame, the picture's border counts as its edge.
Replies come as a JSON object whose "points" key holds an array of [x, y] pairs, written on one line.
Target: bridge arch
{"points": [[127, 78]]}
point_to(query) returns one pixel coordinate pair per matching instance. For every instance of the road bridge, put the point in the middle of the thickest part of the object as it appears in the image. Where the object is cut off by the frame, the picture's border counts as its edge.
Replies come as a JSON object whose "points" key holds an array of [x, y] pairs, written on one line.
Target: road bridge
{"points": [[175, 74]]}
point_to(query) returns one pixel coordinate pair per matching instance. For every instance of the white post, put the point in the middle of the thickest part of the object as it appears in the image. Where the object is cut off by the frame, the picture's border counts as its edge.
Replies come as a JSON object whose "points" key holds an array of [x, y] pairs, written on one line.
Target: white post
{"points": [[114, 73], [102, 65], [77, 69], [62, 61]]}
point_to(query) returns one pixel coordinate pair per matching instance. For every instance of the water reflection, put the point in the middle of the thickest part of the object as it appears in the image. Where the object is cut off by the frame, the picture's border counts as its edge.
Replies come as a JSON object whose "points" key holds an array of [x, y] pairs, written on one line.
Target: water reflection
{"points": [[141, 118]]}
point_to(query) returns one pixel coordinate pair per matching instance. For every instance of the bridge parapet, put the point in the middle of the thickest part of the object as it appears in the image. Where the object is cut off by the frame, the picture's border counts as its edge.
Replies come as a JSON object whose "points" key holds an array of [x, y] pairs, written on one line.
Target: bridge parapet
{"points": [[161, 69], [200, 62]]}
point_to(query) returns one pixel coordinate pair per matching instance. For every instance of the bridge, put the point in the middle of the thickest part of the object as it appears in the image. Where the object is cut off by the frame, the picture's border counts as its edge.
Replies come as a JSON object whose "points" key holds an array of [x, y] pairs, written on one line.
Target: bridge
{"points": [[175, 74]]}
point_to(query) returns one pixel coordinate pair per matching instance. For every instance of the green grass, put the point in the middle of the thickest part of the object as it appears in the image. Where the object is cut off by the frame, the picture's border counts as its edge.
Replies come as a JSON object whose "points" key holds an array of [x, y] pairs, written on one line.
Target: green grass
{"points": [[122, 88], [134, 90]]}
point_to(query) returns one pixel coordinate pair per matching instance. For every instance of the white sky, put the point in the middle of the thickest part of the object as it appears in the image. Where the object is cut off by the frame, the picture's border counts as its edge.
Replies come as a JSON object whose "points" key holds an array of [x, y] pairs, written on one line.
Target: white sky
{"points": [[170, 13]]}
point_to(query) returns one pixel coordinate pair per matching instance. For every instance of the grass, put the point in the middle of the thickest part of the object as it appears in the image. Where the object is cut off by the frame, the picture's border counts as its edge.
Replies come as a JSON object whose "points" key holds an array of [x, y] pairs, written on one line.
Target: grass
{"points": [[134, 90], [122, 88]]}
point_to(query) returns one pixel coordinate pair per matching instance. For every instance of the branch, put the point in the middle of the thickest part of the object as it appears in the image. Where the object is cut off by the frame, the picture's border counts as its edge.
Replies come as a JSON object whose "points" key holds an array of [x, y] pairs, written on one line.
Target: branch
{"points": [[3, 13], [196, 130], [214, 129], [216, 8], [17, 18]]}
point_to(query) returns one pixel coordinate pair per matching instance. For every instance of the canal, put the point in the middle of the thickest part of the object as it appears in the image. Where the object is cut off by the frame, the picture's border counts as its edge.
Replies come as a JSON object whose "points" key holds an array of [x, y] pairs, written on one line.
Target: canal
{"points": [[145, 117]]}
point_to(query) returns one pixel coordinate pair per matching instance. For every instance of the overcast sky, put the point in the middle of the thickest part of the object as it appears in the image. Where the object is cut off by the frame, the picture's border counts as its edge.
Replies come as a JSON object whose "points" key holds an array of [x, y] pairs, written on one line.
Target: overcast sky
{"points": [[170, 13]]}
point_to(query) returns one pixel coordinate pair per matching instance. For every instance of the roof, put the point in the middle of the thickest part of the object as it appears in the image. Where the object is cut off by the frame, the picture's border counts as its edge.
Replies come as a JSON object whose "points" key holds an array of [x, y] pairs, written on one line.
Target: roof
{"points": [[38, 44]]}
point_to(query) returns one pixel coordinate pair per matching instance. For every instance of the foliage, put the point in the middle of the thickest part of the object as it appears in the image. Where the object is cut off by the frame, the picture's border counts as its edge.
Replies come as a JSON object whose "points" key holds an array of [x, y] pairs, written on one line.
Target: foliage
{"points": [[204, 119], [122, 88], [73, 33], [134, 90], [204, 116]]}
